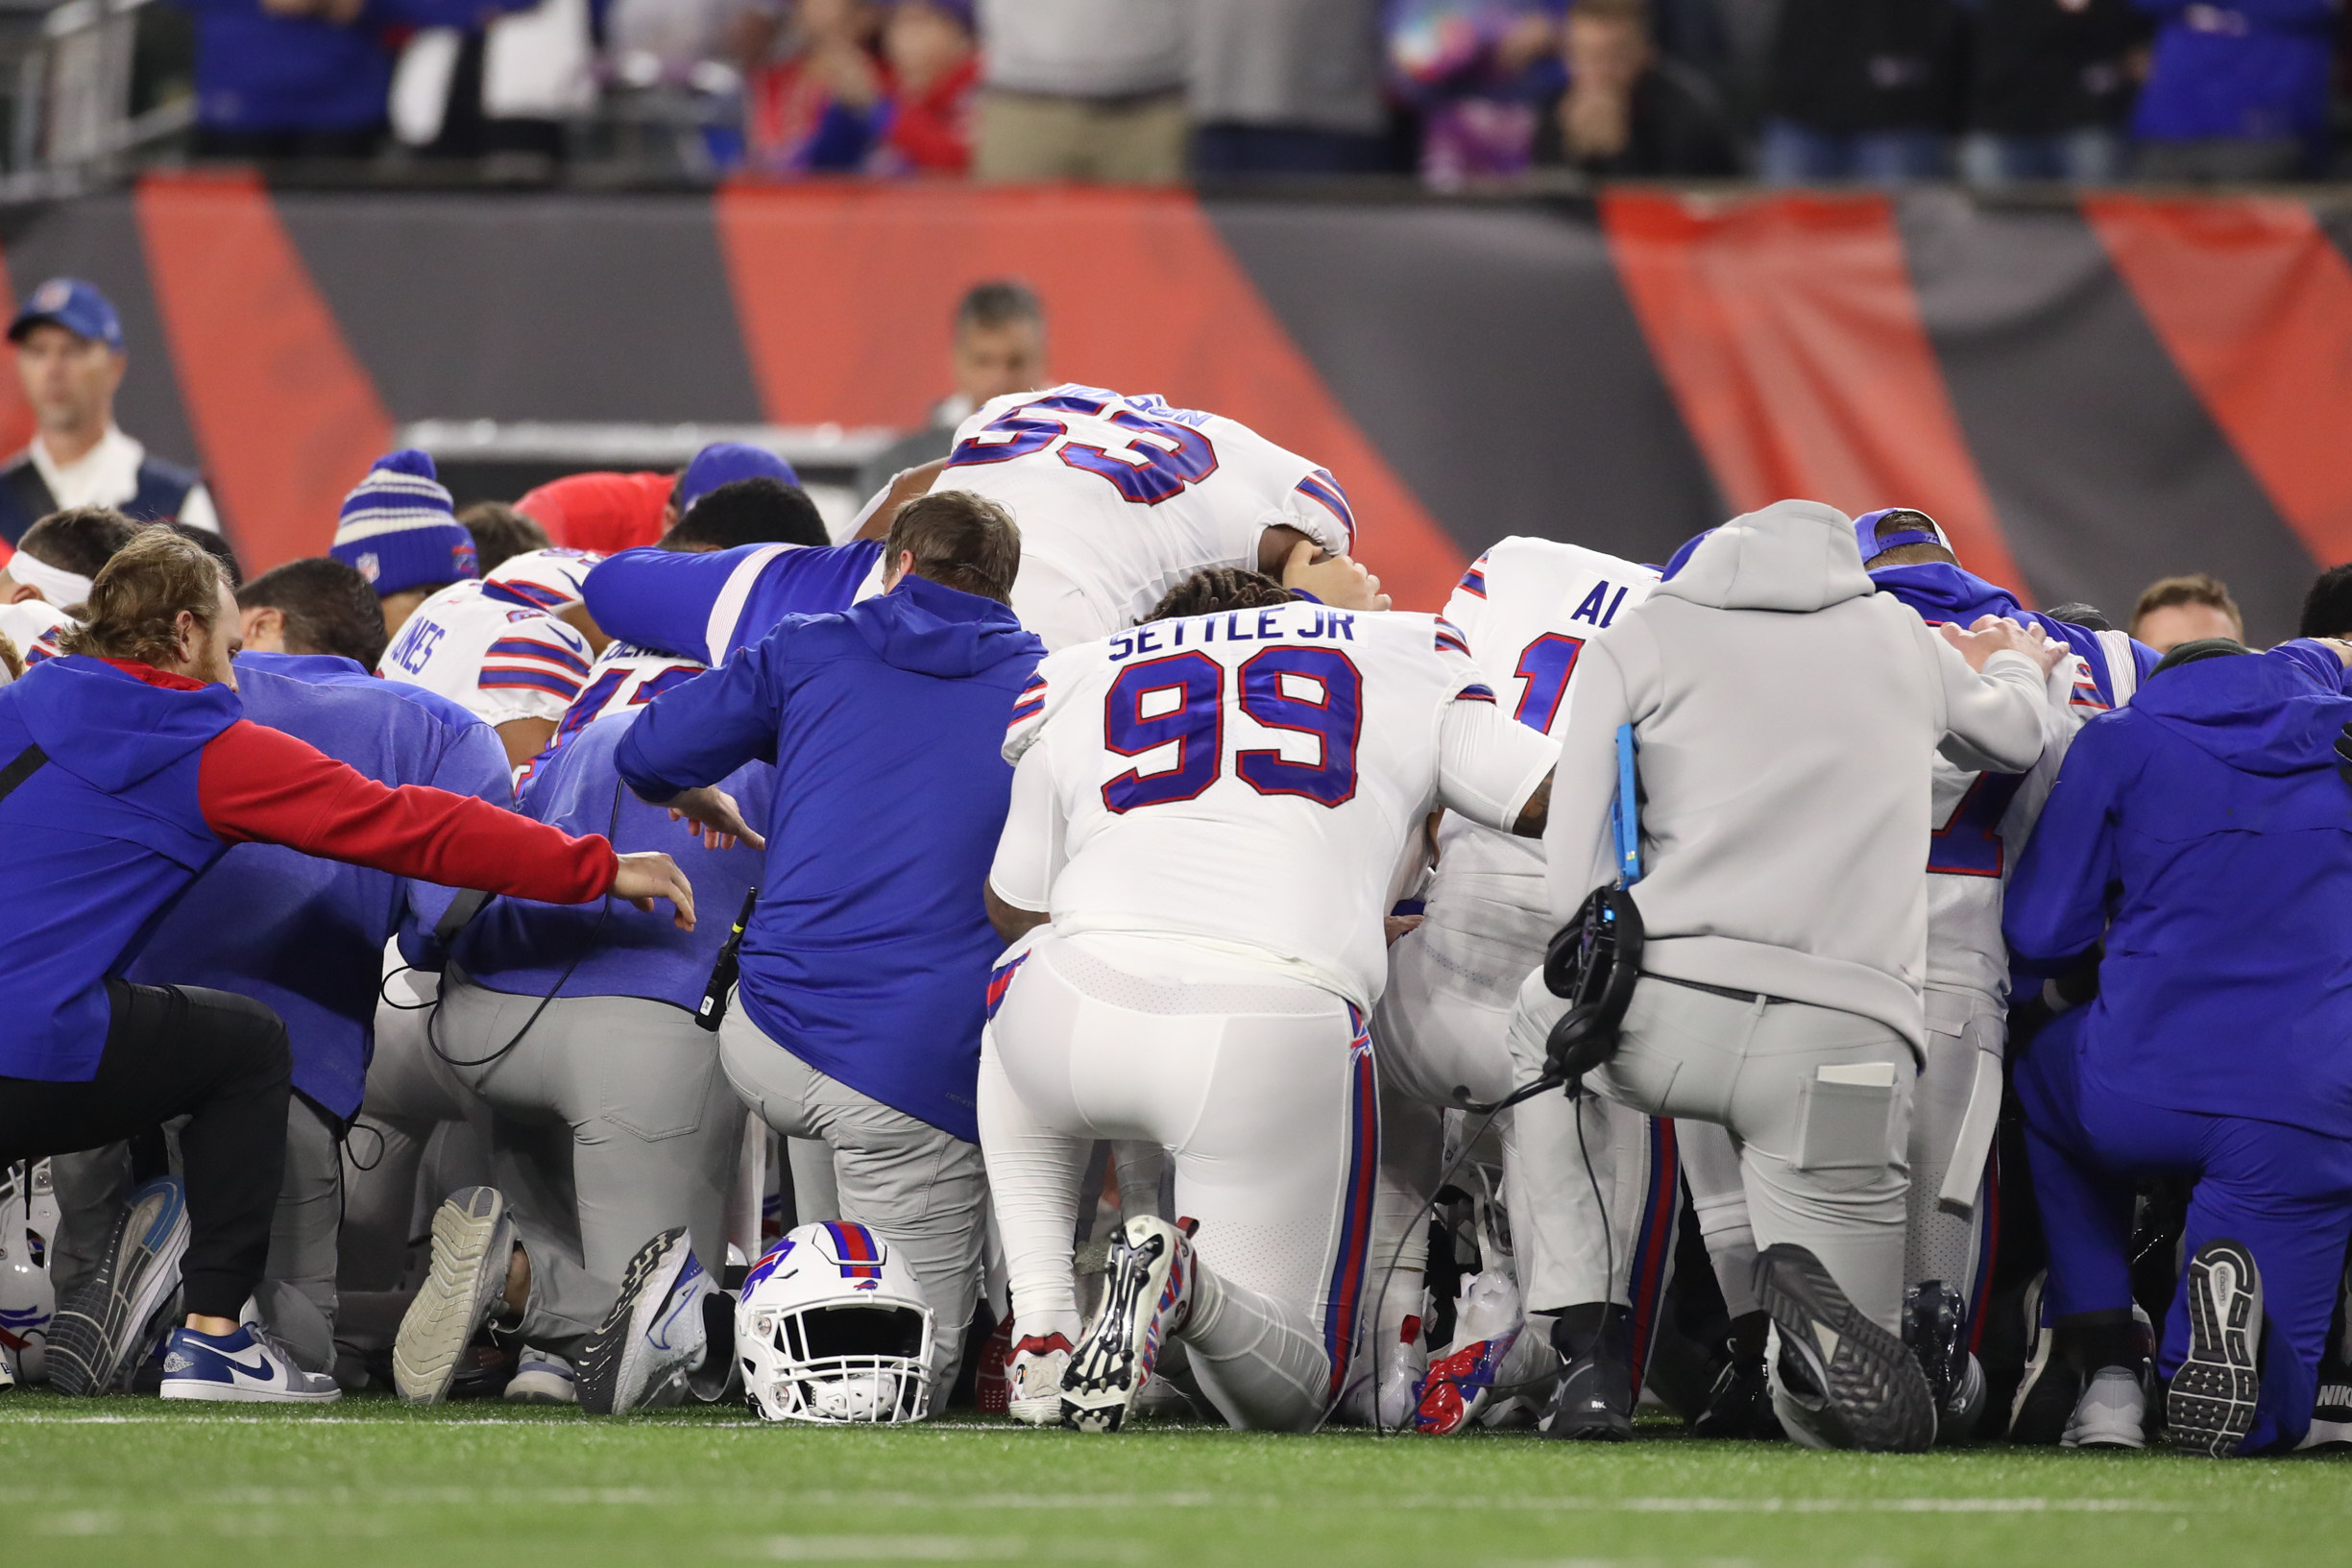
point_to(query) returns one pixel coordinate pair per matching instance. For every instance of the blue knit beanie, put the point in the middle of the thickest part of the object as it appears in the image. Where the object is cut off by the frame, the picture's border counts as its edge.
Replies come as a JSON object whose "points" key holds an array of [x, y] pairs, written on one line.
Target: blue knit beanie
{"points": [[399, 530]]}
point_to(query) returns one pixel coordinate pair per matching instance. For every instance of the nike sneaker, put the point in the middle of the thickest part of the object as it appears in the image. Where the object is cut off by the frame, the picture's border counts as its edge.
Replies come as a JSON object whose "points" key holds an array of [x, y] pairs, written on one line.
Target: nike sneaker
{"points": [[2210, 1408], [1147, 1298], [1934, 1321], [658, 1334], [2051, 1389], [541, 1378], [1739, 1405], [2331, 1413], [2111, 1413], [1033, 1379], [109, 1321], [249, 1367], [474, 1242], [1594, 1402], [1848, 1383]]}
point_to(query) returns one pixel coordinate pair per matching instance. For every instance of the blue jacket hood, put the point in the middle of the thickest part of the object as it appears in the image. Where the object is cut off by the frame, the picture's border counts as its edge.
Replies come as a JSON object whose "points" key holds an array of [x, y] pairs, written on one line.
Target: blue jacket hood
{"points": [[1941, 591], [2271, 713], [112, 728], [931, 629]]}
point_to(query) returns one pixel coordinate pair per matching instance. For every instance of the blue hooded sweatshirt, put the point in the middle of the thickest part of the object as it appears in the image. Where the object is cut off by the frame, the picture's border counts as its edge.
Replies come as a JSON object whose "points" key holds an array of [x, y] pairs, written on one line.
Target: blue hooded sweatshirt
{"points": [[2206, 834], [1941, 591], [869, 953], [528, 948], [103, 836], [705, 606], [304, 935]]}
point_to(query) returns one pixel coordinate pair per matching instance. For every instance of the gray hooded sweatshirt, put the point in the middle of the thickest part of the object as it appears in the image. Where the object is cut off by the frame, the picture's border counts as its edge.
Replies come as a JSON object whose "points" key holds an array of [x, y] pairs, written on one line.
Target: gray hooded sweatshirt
{"points": [[1787, 714]]}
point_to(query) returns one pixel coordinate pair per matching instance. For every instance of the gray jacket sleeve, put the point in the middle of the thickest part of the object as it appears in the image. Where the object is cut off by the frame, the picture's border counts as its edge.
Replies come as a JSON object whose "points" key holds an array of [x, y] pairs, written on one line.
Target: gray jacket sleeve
{"points": [[1576, 854], [1991, 722]]}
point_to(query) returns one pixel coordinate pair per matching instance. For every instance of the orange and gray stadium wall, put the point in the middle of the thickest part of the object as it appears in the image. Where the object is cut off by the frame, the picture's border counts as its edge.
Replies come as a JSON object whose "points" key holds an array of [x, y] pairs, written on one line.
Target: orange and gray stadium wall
{"points": [[2086, 394]]}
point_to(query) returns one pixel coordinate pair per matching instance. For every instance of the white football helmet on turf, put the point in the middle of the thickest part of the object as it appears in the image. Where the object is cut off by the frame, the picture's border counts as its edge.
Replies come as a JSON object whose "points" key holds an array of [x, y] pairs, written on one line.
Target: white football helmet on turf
{"points": [[832, 1327], [28, 1301]]}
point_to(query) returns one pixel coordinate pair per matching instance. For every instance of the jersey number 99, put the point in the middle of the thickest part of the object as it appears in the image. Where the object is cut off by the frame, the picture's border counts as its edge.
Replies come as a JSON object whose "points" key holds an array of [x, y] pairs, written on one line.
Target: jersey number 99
{"points": [[1324, 698]]}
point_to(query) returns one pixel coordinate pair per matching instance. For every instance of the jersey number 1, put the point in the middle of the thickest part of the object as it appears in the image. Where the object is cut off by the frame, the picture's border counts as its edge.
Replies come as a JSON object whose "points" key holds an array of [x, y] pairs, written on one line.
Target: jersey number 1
{"points": [[1190, 689]]}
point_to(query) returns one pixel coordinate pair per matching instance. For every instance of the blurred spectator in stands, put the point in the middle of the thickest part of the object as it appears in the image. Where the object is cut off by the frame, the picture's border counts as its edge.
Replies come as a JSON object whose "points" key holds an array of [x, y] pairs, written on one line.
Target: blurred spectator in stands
{"points": [[883, 90], [602, 512], [999, 348], [1862, 89], [2177, 610], [2237, 91], [1482, 73], [1082, 89], [501, 87], [2327, 608], [499, 534], [2050, 91], [1286, 88], [303, 79], [1629, 111]]}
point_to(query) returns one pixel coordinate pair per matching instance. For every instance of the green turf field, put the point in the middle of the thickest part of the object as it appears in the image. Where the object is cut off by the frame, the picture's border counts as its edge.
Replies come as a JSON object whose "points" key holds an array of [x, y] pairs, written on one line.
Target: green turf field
{"points": [[363, 1482]]}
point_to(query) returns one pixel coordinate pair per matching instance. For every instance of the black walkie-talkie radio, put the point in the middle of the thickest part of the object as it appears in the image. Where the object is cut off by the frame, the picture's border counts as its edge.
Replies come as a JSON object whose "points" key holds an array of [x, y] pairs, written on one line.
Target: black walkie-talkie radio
{"points": [[712, 1009]]}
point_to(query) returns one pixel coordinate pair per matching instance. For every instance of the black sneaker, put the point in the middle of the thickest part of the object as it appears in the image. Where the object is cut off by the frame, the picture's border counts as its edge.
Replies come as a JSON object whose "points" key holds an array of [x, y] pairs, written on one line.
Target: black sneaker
{"points": [[1740, 1404], [1934, 1321], [1859, 1385], [2048, 1391], [104, 1329], [2210, 1408], [1594, 1402]]}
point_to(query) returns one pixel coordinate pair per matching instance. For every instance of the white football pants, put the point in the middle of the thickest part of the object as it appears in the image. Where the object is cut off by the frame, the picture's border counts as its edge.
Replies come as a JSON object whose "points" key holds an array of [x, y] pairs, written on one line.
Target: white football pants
{"points": [[1263, 1091], [1442, 1022]]}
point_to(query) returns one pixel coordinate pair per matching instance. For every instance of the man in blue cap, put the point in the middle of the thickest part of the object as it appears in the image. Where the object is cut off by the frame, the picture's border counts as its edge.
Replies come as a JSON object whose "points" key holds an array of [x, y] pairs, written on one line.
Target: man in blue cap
{"points": [[724, 463], [70, 351]]}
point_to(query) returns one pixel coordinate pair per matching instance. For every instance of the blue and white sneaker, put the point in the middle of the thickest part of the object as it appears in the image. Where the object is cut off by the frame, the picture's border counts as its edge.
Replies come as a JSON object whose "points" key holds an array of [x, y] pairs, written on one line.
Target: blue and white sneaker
{"points": [[541, 1378], [105, 1327], [658, 1333], [245, 1367]]}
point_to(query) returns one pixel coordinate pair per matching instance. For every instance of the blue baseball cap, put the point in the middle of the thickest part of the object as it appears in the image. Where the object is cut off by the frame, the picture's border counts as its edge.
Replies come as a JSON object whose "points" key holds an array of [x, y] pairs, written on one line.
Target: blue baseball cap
{"points": [[1911, 526], [75, 306], [723, 463]]}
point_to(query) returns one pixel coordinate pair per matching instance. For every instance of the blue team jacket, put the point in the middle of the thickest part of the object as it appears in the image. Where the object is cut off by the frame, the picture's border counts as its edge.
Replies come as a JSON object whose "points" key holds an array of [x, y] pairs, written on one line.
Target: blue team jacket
{"points": [[524, 948], [102, 839], [307, 935], [2246, 68], [1940, 592], [704, 607], [869, 953], [2205, 832], [259, 72]]}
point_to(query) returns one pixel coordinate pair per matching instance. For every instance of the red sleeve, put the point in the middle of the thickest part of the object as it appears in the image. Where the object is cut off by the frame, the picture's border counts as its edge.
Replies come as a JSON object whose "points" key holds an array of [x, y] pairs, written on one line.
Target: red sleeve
{"points": [[262, 784]]}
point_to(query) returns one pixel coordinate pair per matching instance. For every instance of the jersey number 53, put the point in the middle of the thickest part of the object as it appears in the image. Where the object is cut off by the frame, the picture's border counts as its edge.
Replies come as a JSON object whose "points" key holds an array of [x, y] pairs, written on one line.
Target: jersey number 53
{"points": [[1154, 464], [1181, 700]]}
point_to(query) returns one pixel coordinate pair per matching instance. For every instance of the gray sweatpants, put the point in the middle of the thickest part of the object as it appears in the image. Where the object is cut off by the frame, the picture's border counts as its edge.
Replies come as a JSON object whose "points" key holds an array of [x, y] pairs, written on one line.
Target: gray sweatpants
{"points": [[610, 1123], [1817, 1101], [923, 1189]]}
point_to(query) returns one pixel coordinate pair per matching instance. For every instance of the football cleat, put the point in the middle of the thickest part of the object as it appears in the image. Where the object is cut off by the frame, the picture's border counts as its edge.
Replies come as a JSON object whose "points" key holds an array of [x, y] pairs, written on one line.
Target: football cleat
{"points": [[1458, 1385], [2051, 1388], [1147, 1298], [474, 1242], [1594, 1402], [657, 1333], [1857, 1385], [1033, 1379], [1739, 1405], [2111, 1413], [105, 1327], [541, 1378], [2210, 1408], [249, 1367]]}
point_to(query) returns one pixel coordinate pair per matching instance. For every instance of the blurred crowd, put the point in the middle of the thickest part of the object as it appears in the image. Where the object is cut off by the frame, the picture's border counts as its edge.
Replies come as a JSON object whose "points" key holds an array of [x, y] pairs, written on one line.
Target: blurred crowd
{"points": [[1790, 91]]}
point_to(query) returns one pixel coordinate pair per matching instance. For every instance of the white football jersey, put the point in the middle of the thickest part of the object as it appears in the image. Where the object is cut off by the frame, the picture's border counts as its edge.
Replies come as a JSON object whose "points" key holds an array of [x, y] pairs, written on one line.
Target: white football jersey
{"points": [[492, 650], [622, 678], [33, 625], [1245, 784], [1122, 498], [1526, 608], [1983, 820]]}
